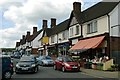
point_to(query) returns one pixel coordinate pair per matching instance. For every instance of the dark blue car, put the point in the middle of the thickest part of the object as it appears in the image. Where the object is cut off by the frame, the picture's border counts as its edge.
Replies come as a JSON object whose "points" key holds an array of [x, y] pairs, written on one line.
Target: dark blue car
{"points": [[7, 67]]}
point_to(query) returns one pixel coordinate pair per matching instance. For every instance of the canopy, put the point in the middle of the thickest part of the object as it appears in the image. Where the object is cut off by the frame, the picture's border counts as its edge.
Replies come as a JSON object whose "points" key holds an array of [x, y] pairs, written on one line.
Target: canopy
{"points": [[87, 43]]}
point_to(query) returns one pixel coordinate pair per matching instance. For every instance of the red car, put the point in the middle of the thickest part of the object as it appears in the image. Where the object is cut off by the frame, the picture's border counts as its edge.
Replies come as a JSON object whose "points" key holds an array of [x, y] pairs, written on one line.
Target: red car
{"points": [[66, 63]]}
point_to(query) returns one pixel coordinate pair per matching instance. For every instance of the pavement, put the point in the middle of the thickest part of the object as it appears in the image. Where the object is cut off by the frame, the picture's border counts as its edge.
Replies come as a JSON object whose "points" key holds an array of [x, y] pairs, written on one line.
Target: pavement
{"points": [[101, 74]]}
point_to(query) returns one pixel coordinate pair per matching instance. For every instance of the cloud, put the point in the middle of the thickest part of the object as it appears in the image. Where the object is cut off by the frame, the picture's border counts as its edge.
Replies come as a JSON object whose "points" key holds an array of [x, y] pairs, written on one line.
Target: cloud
{"points": [[26, 13]]}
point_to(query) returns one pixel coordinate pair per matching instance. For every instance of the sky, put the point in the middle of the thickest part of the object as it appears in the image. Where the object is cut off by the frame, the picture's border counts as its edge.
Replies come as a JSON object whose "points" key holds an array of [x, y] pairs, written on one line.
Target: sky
{"points": [[18, 17]]}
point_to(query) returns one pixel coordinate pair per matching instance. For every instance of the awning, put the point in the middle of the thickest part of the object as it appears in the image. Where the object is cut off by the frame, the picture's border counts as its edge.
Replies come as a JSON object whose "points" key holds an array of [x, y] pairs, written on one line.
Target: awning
{"points": [[90, 43]]}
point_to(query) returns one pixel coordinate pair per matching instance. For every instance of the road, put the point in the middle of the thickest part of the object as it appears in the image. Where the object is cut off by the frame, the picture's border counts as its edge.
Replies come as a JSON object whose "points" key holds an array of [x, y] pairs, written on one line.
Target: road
{"points": [[48, 73]]}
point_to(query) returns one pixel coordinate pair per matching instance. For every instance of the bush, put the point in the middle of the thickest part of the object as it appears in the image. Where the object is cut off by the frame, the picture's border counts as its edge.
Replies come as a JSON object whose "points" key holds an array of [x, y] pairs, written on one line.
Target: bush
{"points": [[115, 67]]}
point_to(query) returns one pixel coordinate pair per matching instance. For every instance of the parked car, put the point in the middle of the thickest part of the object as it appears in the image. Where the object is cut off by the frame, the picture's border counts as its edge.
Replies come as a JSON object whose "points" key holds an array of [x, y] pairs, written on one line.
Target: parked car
{"points": [[6, 65], [27, 63], [17, 55], [66, 63], [39, 59], [46, 61]]}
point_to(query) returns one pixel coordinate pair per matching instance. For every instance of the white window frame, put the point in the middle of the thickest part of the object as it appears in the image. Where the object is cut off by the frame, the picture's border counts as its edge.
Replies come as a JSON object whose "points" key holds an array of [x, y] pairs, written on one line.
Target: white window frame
{"points": [[92, 27], [52, 39], [71, 32], [77, 29]]}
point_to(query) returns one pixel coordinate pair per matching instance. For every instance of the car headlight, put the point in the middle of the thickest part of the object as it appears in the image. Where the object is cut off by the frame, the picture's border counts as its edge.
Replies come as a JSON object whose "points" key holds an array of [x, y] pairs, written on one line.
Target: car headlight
{"points": [[66, 64], [45, 62], [33, 65], [17, 66]]}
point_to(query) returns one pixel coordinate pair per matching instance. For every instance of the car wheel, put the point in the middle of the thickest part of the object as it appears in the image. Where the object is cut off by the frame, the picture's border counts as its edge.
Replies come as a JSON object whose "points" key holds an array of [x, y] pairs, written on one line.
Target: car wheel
{"points": [[55, 68], [42, 64], [63, 69], [16, 72], [7, 75], [36, 70]]}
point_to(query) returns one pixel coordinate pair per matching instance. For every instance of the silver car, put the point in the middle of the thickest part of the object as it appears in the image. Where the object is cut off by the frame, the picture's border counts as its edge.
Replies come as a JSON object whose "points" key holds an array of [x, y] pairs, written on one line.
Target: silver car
{"points": [[45, 61]]}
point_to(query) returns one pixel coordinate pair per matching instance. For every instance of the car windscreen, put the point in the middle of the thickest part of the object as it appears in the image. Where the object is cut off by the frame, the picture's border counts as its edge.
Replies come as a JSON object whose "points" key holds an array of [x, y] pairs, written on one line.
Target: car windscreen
{"points": [[27, 59], [47, 57], [68, 59]]}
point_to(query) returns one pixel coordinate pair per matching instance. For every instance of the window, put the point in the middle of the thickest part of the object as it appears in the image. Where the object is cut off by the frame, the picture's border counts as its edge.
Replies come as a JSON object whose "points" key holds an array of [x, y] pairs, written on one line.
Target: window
{"points": [[64, 35], [92, 27], [52, 39], [71, 31], [77, 30]]}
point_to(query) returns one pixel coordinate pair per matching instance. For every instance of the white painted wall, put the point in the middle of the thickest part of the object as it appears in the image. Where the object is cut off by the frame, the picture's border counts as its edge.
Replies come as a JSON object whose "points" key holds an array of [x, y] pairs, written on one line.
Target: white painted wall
{"points": [[55, 39], [74, 31], [59, 36], [102, 27], [35, 43], [74, 41], [115, 21], [73, 25]]}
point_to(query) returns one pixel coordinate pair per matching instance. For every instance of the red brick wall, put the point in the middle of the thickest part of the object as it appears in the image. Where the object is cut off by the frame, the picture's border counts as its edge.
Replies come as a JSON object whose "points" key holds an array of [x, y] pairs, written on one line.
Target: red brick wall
{"points": [[35, 51], [115, 43]]}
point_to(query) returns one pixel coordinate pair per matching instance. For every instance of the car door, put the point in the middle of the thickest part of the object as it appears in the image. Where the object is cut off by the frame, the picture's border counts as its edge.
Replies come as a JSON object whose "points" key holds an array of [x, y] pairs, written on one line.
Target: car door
{"points": [[60, 63]]}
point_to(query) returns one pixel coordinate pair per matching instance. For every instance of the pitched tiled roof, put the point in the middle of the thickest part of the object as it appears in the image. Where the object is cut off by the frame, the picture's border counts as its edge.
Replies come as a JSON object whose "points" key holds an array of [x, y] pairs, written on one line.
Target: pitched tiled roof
{"points": [[33, 36], [96, 11], [57, 29], [17, 44], [61, 27], [22, 41]]}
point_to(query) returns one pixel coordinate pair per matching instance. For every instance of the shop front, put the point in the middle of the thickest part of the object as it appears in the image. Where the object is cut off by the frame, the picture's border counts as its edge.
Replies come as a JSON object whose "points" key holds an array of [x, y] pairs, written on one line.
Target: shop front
{"points": [[63, 48], [92, 51]]}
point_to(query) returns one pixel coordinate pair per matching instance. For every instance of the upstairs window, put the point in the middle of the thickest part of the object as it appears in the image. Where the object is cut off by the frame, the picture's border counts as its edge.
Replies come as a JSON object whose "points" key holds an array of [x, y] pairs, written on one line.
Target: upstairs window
{"points": [[92, 27], [71, 32], [52, 39], [77, 29], [64, 35]]}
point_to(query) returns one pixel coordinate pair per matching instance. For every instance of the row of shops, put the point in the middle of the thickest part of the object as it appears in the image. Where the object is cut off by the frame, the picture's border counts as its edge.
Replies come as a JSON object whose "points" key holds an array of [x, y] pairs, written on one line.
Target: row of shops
{"points": [[91, 51]]}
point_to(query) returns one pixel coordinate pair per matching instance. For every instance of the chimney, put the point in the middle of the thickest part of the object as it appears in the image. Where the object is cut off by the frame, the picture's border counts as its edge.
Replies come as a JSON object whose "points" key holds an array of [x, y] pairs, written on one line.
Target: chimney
{"points": [[77, 6], [34, 30], [23, 36], [28, 33], [53, 22], [44, 24]]}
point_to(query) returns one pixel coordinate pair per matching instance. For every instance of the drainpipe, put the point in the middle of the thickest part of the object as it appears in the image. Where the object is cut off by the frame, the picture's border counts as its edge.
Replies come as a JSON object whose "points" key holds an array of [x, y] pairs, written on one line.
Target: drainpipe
{"points": [[109, 37], [81, 31]]}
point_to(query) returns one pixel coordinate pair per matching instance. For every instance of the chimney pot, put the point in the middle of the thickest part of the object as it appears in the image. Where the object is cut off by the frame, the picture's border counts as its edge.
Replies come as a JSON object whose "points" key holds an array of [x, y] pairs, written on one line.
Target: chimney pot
{"points": [[44, 24], [28, 33], [77, 6], [34, 30], [53, 22], [23, 37]]}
